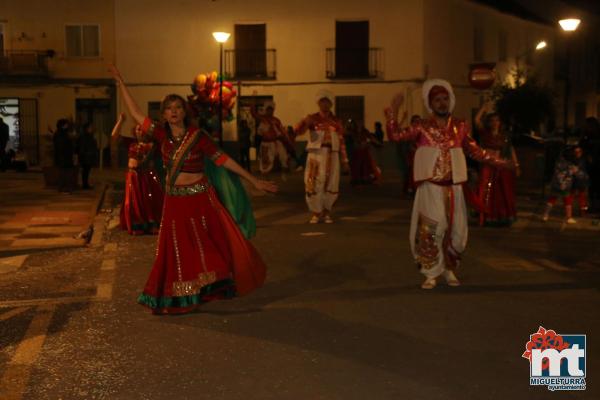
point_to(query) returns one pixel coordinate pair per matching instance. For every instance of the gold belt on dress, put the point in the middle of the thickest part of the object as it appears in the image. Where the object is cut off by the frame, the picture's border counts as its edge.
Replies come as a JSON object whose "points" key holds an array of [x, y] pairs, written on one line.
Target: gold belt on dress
{"points": [[190, 190]]}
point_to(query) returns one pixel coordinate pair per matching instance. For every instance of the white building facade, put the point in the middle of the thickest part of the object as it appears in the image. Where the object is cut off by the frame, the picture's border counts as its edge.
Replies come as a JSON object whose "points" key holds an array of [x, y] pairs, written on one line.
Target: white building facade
{"points": [[281, 50]]}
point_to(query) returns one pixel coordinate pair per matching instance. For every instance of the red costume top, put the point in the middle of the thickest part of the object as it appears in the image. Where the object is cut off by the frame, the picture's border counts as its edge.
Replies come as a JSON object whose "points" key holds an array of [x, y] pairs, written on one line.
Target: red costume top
{"points": [[270, 128], [441, 148], [194, 160], [330, 125], [139, 151], [498, 142]]}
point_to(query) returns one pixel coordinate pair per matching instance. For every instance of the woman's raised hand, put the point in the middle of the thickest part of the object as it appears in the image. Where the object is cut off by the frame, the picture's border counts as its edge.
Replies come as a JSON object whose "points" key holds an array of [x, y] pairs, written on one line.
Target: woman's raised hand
{"points": [[397, 101], [115, 73]]}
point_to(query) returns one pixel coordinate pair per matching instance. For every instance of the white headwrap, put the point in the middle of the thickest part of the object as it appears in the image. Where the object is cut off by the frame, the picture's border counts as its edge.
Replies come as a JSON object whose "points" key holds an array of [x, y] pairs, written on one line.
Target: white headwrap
{"points": [[325, 94], [429, 84]]}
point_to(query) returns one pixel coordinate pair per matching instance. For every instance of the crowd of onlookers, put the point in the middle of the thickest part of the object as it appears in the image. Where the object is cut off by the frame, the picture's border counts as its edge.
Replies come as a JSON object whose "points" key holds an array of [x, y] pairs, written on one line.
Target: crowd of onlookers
{"points": [[71, 150], [577, 174]]}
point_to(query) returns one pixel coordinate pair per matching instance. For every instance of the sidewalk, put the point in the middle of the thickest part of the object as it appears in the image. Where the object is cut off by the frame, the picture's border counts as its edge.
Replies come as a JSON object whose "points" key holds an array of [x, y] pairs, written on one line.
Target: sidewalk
{"points": [[33, 217]]}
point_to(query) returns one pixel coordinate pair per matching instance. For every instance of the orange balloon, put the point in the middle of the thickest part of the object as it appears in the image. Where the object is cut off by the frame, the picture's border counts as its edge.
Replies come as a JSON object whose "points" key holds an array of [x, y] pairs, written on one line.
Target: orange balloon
{"points": [[200, 80]]}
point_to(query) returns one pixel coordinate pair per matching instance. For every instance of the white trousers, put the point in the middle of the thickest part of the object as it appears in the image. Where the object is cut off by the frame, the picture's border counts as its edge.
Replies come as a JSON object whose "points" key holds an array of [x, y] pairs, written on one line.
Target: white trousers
{"points": [[436, 248], [322, 179], [268, 152]]}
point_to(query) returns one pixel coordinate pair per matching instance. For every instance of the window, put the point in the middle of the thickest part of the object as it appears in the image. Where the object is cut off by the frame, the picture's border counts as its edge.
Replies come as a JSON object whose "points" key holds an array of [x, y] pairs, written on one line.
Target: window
{"points": [[478, 43], [83, 40], [350, 107], [351, 49], [251, 50], [502, 45]]}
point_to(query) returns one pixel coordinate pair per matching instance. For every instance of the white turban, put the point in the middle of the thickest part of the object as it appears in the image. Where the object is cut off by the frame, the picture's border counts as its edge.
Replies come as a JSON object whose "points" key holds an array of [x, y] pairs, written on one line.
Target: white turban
{"points": [[429, 84], [325, 94]]}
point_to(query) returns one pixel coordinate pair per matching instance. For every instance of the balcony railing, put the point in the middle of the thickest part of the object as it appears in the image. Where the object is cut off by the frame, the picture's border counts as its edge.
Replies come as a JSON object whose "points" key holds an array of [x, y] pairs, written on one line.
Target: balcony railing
{"points": [[255, 64], [25, 62], [354, 63]]}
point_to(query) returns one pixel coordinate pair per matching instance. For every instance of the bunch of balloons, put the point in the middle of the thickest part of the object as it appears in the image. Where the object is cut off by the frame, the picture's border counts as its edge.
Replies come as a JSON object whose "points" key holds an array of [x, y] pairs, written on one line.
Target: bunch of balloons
{"points": [[205, 96]]}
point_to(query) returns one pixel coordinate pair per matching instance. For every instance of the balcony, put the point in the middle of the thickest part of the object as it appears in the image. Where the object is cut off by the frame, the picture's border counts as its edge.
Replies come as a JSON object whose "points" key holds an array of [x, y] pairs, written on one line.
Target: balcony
{"points": [[25, 62], [354, 63], [255, 64]]}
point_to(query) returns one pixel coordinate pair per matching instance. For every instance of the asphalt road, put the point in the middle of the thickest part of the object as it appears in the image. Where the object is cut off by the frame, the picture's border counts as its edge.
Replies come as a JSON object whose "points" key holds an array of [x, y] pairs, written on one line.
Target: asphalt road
{"points": [[340, 317]]}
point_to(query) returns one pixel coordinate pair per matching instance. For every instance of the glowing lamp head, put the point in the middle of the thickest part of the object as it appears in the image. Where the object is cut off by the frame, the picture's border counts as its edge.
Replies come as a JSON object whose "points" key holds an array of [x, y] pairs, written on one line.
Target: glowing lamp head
{"points": [[569, 24], [221, 37], [541, 45]]}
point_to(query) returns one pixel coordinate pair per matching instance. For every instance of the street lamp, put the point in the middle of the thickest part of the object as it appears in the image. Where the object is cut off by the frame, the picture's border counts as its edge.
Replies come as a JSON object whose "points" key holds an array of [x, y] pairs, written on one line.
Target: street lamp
{"points": [[539, 46], [221, 37], [568, 25]]}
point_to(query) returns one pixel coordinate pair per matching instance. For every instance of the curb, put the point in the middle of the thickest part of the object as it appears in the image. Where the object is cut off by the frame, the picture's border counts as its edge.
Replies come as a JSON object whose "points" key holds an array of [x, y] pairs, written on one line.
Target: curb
{"points": [[98, 222]]}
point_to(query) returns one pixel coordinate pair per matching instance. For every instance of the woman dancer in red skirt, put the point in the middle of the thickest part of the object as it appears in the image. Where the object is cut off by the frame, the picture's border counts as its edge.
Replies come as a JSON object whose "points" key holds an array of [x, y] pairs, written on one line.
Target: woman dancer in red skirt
{"points": [[143, 201], [496, 195], [201, 253]]}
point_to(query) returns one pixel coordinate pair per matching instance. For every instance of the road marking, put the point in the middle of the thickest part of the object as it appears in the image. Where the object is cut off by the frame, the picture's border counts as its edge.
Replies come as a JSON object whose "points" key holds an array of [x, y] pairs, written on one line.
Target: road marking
{"points": [[12, 313], [553, 265], [49, 301], [104, 291], [106, 279], [108, 265], [16, 375], [11, 264], [312, 234], [48, 242], [110, 248]]}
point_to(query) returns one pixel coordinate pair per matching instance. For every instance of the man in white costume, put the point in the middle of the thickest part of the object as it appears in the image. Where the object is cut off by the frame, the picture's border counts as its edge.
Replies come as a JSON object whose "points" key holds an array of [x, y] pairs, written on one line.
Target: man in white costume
{"points": [[438, 230], [273, 136], [325, 146]]}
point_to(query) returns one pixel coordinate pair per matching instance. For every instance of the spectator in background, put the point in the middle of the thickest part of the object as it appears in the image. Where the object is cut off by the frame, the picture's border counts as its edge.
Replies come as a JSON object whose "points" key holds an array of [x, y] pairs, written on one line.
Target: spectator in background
{"points": [[363, 167], [4, 136], [63, 155], [378, 132], [244, 141], [570, 180], [590, 143], [87, 151]]}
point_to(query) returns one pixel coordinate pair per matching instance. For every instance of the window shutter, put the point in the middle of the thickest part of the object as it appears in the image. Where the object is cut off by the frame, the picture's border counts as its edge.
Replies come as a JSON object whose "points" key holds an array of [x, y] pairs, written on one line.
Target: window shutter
{"points": [[91, 41], [73, 33]]}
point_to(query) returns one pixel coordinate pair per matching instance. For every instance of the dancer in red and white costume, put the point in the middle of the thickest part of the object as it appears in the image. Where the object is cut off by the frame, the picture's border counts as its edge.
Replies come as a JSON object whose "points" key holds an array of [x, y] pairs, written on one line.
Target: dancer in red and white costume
{"points": [[274, 139], [325, 148], [438, 230]]}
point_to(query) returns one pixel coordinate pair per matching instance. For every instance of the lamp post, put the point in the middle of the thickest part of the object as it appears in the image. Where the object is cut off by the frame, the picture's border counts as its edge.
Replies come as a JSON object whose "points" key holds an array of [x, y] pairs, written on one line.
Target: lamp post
{"points": [[567, 25], [221, 37]]}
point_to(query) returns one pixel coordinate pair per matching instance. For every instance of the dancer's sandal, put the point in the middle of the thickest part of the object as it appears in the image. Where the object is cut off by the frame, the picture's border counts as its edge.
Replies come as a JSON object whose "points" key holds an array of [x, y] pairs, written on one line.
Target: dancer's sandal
{"points": [[451, 279], [314, 219], [328, 220], [429, 283]]}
